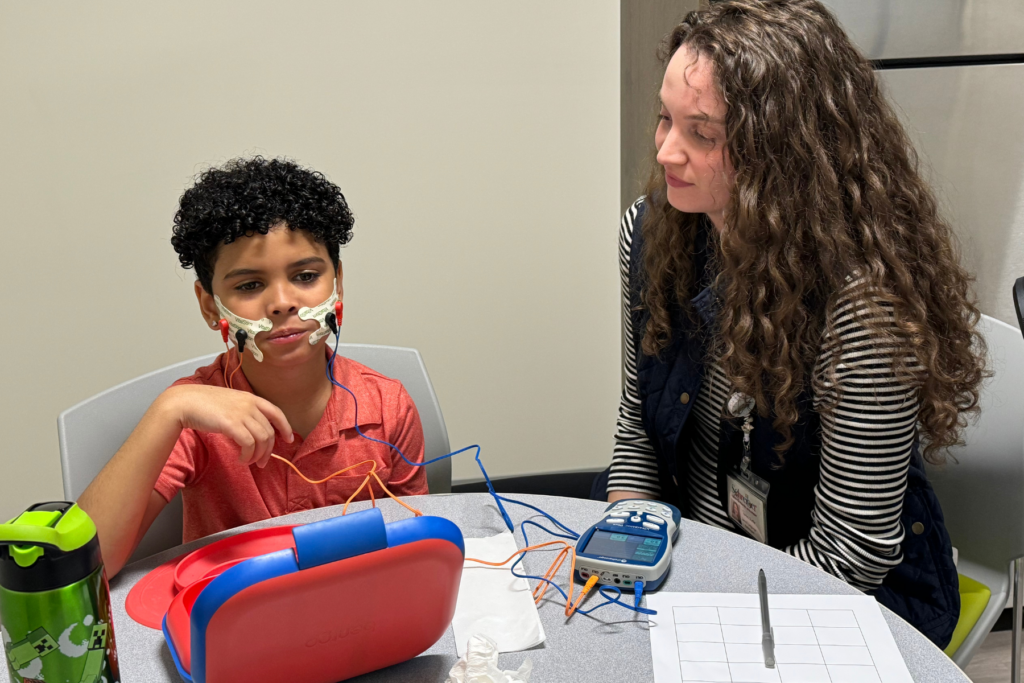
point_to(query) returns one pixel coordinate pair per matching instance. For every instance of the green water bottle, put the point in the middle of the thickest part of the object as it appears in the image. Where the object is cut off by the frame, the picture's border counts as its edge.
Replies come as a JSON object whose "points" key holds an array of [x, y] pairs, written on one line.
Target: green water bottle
{"points": [[54, 600]]}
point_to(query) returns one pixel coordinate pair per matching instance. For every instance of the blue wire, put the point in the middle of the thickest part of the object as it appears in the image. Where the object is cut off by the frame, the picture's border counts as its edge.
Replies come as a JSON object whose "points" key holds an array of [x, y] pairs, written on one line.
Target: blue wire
{"points": [[497, 499], [538, 510], [490, 487], [572, 537]]}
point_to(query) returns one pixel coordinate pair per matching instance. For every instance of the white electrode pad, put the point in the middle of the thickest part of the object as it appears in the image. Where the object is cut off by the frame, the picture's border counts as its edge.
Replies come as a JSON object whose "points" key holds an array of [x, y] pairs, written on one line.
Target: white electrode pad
{"points": [[251, 327], [319, 313]]}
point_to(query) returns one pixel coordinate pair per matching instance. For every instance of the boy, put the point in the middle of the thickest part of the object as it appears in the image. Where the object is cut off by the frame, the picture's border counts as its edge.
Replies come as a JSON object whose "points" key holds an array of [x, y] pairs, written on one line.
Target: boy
{"points": [[264, 238]]}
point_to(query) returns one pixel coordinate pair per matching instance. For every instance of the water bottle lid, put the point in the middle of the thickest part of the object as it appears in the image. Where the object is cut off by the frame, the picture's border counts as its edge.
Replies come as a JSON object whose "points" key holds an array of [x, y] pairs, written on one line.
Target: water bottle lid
{"points": [[60, 525], [48, 545]]}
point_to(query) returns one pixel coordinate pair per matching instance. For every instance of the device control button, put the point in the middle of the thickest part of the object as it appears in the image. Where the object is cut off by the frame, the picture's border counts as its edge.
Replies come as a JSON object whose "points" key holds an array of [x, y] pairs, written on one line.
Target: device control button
{"points": [[635, 519], [648, 525], [615, 521], [665, 511], [656, 520], [619, 514]]}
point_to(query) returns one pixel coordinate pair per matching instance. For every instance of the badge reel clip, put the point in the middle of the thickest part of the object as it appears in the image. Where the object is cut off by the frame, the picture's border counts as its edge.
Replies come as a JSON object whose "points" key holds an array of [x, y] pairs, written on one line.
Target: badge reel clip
{"points": [[747, 492]]}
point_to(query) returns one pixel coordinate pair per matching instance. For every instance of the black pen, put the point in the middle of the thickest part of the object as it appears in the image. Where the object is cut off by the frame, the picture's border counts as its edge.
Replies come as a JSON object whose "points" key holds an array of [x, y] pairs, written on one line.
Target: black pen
{"points": [[767, 639]]}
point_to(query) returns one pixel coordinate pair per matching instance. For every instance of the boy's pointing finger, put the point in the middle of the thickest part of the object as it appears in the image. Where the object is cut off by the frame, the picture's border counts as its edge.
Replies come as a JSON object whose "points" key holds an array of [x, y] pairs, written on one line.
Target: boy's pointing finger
{"points": [[276, 417]]}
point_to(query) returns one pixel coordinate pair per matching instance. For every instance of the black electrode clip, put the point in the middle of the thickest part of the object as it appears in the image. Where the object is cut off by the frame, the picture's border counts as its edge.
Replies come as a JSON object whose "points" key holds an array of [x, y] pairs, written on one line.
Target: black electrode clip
{"points": [[332, 322], [240, 338]]}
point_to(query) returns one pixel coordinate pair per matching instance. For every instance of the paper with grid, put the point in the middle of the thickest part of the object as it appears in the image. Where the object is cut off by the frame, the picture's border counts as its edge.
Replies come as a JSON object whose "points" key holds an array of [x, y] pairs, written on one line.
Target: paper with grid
{"points": [[716, 638]]}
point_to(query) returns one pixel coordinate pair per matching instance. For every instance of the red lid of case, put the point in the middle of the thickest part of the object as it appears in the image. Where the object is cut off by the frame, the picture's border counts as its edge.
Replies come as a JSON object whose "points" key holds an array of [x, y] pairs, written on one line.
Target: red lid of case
{"points": [[215, 558], [149, 599]]}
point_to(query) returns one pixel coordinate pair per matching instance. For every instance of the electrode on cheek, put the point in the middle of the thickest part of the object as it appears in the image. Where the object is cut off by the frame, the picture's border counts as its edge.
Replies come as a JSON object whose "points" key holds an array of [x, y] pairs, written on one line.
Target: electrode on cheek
{"points": [[320, 313], [249, 328]]}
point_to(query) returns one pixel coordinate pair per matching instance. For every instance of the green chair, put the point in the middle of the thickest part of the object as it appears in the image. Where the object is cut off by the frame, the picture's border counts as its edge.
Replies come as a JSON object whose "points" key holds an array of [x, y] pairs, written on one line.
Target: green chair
{"points": [[981, 489], [974, 598]]}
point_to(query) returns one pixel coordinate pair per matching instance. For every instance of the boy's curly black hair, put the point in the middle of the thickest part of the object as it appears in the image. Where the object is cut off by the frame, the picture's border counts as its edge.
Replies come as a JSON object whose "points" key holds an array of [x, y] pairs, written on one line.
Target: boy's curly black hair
{"points": [[248, 196]]}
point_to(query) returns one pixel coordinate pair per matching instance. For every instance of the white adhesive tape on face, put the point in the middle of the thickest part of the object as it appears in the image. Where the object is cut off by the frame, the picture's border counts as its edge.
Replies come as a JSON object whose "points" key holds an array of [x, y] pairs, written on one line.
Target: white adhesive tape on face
{"points": [[251, 327], [319, 313]]}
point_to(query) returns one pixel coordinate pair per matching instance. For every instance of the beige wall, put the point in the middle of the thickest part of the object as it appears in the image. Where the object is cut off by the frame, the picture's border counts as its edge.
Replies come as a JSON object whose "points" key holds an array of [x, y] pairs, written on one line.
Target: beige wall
{"points": [[477, 143]]}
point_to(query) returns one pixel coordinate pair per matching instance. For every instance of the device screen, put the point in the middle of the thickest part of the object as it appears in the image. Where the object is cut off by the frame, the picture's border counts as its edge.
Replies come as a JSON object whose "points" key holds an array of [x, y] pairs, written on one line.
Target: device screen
{"points": [[640, 549]]}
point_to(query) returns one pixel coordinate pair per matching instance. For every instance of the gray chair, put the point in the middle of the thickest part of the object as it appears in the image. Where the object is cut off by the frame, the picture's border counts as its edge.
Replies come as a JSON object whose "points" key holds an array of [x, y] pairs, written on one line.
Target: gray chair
{"points": [[982, 490], [92, 431]]}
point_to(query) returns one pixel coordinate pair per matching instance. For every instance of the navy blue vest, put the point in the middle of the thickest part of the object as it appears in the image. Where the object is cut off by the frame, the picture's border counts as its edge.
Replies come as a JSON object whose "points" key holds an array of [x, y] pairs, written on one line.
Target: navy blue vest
{"points": [[923, 589]]}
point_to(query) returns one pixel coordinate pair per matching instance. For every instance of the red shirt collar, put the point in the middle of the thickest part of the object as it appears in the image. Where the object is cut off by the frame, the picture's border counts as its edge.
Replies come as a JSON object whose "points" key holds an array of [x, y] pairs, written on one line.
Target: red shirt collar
{"points": [[340, 413]]}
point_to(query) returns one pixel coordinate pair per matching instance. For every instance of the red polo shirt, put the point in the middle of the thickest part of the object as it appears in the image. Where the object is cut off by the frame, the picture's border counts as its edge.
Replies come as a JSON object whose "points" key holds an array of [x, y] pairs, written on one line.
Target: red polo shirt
{"points": [[219, 493]]}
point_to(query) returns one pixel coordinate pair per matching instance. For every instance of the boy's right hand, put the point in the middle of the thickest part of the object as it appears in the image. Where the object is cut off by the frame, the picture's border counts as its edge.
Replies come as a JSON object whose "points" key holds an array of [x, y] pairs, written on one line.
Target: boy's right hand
{"points": [[247, 419]]}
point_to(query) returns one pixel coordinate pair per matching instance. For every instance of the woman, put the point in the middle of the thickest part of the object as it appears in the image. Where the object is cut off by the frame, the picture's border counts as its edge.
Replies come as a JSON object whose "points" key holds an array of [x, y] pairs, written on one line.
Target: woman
{"points": [[800, 333]]}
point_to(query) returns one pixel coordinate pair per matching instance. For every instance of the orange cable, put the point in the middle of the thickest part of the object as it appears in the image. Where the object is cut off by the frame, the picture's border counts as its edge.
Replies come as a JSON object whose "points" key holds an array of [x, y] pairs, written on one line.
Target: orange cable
{"points": [[366, 480], [231, 379], [392, 496], [539, 590], [372, 473], [320, 481]]}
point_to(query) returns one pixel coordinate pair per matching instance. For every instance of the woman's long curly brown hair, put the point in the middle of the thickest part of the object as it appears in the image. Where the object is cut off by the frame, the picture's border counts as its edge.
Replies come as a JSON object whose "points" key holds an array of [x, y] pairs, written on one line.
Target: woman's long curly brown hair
{"points": [[826, 186]]}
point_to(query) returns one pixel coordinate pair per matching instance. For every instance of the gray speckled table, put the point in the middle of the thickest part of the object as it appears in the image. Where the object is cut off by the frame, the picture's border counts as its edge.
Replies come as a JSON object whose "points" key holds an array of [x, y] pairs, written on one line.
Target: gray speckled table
{"points": [[611, 645]]}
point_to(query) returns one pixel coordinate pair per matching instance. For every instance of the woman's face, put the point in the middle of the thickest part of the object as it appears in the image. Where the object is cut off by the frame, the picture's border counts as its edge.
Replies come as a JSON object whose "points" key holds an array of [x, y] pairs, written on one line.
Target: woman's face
{"points": [[691, 138]]}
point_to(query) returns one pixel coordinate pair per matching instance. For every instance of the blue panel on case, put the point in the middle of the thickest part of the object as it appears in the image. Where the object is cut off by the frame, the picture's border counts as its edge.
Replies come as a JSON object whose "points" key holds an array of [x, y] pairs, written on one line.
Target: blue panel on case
{"points": [[221, 589], [339, 538], [420, 528]]}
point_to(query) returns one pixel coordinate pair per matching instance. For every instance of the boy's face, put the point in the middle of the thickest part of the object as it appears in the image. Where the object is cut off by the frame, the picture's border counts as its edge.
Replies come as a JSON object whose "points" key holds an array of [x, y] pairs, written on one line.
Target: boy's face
{"points": [[273, 276]]}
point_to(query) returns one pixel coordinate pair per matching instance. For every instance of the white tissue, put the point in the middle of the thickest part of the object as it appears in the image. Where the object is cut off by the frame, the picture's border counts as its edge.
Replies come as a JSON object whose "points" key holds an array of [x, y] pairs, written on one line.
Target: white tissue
{"points": [[480, 665], [493, 602]]}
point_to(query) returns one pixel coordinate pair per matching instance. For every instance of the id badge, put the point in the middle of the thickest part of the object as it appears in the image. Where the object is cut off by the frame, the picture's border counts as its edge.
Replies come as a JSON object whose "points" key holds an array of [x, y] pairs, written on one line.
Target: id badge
{"points": [[747, 497]]}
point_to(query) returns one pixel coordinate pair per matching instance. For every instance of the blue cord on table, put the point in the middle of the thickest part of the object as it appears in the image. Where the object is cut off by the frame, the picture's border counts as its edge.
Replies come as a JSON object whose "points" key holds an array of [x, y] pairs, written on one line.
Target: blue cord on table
{"points": [[497, 499]]}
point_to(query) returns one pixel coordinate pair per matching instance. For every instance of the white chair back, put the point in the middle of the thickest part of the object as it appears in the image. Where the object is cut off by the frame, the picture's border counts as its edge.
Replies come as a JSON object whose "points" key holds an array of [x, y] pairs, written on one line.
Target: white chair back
{"points": [[982, 491], [981, 487]]}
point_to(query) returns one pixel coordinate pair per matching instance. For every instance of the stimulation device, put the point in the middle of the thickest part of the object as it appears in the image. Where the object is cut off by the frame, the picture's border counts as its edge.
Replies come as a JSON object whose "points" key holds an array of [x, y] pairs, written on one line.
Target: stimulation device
{"points": [[632, 544]]}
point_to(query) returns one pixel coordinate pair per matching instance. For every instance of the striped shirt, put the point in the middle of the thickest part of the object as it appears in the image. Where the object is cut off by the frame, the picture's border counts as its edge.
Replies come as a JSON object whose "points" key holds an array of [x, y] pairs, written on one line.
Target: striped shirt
{"points": [[866, 441]]}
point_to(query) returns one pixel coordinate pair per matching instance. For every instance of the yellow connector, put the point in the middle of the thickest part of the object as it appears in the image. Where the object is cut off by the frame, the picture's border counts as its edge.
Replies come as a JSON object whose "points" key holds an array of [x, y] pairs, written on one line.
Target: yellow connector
{"points": [[570, 609]]}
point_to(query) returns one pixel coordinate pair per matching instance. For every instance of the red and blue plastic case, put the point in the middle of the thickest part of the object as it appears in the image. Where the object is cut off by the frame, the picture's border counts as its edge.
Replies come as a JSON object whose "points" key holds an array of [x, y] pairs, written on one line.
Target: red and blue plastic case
{"points": [[354, 596]]}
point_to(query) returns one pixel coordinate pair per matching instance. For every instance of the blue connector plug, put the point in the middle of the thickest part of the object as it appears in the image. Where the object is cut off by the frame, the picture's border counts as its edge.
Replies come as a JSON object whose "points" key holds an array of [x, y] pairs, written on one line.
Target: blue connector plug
{"points": [[638, 593]]}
